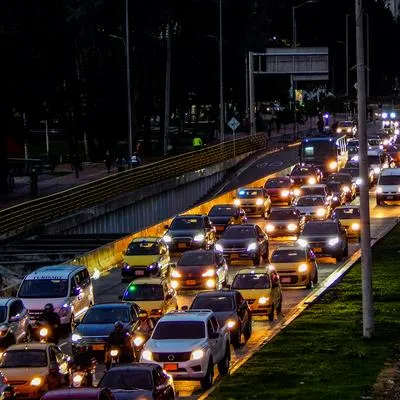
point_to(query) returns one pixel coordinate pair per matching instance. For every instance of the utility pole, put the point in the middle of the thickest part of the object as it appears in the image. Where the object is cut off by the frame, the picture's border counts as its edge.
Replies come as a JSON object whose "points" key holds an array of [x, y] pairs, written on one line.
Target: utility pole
{"points": [[366, 259], [167, 89], [246, 64], [128, 82], [221, 79], [347, 56], [251, 94]]}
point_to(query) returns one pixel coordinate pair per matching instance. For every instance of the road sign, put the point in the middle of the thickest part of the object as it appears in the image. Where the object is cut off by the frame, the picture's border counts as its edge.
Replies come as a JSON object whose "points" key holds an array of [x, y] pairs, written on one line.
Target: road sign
{"points": [[233, 124]]}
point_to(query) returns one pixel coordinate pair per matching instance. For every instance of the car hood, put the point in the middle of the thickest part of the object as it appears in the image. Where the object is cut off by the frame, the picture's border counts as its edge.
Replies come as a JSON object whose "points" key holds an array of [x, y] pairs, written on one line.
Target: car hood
{"points": [[149, 305], [254, 293], [288, 266], [94, 329], [194, 270], [319, 238], [185, 233], [121, 394], [282, 221], [308, 209], [25, 373], [223, 220], [174, 345], [38, 304], [223, 316], [349, 221], [229, 243], [141, 260]]}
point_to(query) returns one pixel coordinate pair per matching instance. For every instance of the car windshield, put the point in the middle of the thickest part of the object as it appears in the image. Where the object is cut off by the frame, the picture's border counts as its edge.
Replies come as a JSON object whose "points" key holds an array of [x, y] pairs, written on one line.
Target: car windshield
{"points": [[288, 256], [183, 224], [143, 248], [308, 201], [374, 142], [283, 214], [3, 314], [217, 211], [249, 193], [339, 178], [251, 281], [276, 183], [334, 186], [352, 149], [345, 124], [166, 330], [354, 172], [239, 232], [389, 180], [23, 359], [144, 292], [346, 213], [215, 303], [320, 228], [318, 150], [302, 171], [127, 380], [43, 288], [106, 315], [196, 258], [374, 160], [313, 191]]}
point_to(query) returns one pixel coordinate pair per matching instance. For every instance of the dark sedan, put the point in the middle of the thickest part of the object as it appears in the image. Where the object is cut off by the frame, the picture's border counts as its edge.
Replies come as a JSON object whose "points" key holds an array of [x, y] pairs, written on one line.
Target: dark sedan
{"points": [[338, 194], [305, 175], [138, 381], [325, 238], [188, 232], [280, 190], [348, 184], [284, 222], [200, 269], [230, 309], [244, 242], [223, 215]]}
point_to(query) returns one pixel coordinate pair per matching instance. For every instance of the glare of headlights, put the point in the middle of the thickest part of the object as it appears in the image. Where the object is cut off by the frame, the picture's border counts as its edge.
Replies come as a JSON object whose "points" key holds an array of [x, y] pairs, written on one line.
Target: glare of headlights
{"points": [[210, 283], [174, 284], [384, 115], [358, 181], [392, 115], [147, 355], [231, 323], [218, 247], [338, 130], [385, 142], [199, 238], [236, 202], [346, 189], [321, 212], [312, 181], [113, 353], [387, 123], [302, 242], [75, 337], [197, 354], [396, 131], [251, 246], [302, 268], [292, 227], [285, 193], [355, 226], [78, 379], [333, 165], [259, 202], [270, 228], [333, 241], [296, 192], [138, 341], [43, 332], [208, 273], [335, 198], [348, 130], [175, 274], [36, 381], [379, 189], [377, 170], [396, 124], [167, 239], [263, 300]]}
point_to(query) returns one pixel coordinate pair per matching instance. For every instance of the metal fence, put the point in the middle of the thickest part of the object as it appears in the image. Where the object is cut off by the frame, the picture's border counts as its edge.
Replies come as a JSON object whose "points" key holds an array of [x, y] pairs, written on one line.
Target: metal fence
{"points": [[30, 214]]}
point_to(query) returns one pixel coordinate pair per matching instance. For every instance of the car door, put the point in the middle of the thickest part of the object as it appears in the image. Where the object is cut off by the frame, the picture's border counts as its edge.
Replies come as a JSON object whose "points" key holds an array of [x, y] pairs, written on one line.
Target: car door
{"points": [[21, 315], [222, 268], [164, 257], [261, 240], [14, 319], [213, 342], [242, 311], [217, 328], [77, 294]]}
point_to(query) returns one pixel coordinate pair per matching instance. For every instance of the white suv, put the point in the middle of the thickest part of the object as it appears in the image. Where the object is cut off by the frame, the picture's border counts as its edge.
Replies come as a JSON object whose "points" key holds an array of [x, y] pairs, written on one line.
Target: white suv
{"points": [[187, 344]]}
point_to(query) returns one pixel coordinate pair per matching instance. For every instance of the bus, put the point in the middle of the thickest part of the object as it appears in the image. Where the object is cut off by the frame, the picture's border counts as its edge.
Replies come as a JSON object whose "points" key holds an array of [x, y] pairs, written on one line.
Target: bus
{"points": [[328, 153]]}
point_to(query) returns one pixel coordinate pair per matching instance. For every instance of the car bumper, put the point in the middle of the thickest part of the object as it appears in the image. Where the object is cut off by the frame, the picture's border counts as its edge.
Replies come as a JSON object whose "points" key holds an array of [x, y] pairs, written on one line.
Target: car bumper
{"points": [[323, 250], [185, 370], [195, 283], [293, 279], [29, 392], [137, 272], [253, 209], [98, 345], [283, 232], [388, 196], [259, 309], [179, 247], [239, 255]]}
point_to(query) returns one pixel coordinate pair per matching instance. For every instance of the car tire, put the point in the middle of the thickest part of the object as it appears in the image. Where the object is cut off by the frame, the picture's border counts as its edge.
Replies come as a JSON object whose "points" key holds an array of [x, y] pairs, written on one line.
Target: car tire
{"points": [[279, 307], [310, 283], [207, 381], [315, 280], [379, 202], [271, 315], [236, 339], [339, 256], [346, 251], [224, 364], [248, 330], [257, 260]]}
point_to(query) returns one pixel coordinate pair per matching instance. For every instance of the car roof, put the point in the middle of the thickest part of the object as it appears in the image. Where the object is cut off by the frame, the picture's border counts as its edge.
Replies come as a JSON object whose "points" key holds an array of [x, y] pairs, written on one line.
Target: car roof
{"points": [[257, 270], [5, 300], [325, 221], [115, 305], [147, 281], [190, 315], [290, 208], [294, 247], [189, 216], [30, 346], [133, 366], [54, 272], [346, 207], [278, 178], [226, 205], [317, 185], [74, 393], [213, 293], [375, 152], [312, 195], [146, 239], [250, 188]]}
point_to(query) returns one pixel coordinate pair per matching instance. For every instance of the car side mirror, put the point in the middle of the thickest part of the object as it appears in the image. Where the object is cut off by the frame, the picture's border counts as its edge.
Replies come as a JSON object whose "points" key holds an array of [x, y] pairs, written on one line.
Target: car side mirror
{"points": [[166, 226], [184, 308], [214, 335]]}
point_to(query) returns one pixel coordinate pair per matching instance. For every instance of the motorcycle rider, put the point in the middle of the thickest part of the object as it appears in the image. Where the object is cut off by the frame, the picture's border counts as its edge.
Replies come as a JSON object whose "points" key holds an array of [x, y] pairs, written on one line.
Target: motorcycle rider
{"points": [[84, 361], [9, 393], [146, 324], [117, 338], [53, 320]]}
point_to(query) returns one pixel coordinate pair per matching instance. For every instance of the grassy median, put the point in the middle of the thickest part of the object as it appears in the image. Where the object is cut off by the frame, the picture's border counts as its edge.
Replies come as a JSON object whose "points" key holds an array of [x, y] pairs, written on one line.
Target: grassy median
{"points": [[322, 354]]}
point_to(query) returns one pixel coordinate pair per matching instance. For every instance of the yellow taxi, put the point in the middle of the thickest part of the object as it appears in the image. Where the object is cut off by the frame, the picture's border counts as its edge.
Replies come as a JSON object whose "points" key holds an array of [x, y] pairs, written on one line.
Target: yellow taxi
{"points": [[145, 256], [30, 368], [154, 295], [296, 266], [349, 217], [261, 288]]}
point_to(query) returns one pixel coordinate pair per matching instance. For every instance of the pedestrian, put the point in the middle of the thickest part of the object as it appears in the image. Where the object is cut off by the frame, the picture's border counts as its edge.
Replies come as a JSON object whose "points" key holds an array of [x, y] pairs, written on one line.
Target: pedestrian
{"points": [[108, 161], [320, 123], [120, 161], [135, 160], [197, 143], [75, 164], [278, 125], [34, 182]]}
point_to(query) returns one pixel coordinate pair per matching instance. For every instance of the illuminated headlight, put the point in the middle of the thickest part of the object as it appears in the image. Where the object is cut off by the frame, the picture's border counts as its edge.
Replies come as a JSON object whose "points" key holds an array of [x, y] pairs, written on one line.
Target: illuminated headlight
{"points": [[285, 193], [312, 181], [218, 247], [321, 212], [396, 124], [174, 284], [43, 332], [236, 202], [251, 246], [332, 165], [335, 198], [64, 310], [377, 170], [334, 241], [167, 239], [302, 268], [175, 274], [358, 181], [270, 228], [379, 189], [114, 353], [210, 272], [231, 323], [385, 142], [396, 131], [398, 189], [348, 130], [355, 226], [296, 192], [338, 130], [210, 283], [197, 354], [76, 338], [263, 300], [346, 189], [138, 341], [77, 379], [126, 266], [147, 355], [384, 115], [302, 242], [36, 381], [199, 238], [386, 123], [393, 115], [259, 202], [292, 227]]}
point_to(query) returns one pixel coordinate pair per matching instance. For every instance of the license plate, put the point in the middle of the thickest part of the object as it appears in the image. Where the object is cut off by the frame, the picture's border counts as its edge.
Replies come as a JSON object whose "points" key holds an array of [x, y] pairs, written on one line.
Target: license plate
{"points": [[171, 367], [182, 245], [248, 209], [98, 347], [285, 280], [190, 282], [219, 228], [234, 256], [139, 272], [317, 250], [389, 197]]}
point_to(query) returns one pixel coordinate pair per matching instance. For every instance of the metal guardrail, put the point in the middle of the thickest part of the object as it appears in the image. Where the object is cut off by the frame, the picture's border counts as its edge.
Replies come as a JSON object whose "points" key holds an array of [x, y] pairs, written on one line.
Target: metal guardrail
{"points": [[27, 215]]}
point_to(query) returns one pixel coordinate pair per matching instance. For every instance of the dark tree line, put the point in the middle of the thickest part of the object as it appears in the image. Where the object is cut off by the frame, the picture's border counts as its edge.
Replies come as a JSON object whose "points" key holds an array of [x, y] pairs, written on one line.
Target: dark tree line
{"points": [[61, 59]]}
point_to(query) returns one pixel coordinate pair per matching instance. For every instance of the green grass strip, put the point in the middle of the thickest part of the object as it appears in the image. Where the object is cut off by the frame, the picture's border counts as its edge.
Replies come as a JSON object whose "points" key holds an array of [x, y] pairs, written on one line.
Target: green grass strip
{"points": [[322, 354]]}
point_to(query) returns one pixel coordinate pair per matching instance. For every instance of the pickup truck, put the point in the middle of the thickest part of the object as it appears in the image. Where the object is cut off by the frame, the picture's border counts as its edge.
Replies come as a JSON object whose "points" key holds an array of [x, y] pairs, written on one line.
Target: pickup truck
{"points": [[188, 344]]}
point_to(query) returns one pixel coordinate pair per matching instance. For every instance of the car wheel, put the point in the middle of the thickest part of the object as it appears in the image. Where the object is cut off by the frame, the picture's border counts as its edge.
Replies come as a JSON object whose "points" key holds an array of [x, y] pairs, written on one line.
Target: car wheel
{"points": [[224, 364], [279, 307], [339, 256], [346, 251], [257, 260], [249, 329], [379, 202], [236, 338], [271, 314], [315, 280], [310, 283], [207, 381]]}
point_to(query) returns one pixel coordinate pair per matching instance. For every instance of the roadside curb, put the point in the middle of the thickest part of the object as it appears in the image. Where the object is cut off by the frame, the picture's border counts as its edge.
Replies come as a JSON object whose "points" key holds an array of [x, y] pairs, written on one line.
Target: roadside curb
{"points": [[336, 276]]}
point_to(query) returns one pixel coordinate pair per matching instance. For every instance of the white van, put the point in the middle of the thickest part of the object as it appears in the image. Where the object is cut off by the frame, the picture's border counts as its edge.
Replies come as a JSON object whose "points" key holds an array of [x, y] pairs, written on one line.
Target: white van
{"points": [[388, 187], [377, 161], [67, 287]]}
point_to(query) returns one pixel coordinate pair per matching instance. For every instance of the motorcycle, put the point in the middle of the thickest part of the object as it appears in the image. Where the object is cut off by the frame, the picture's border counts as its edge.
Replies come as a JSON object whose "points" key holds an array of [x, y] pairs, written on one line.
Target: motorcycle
{"points": [[138, 343], [83, 377], [113, 357], [44, 332]]}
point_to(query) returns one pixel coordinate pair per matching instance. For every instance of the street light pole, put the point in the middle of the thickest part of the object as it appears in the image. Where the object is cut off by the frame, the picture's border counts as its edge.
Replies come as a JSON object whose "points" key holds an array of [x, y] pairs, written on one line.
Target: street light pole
{"points": [[368, 69], [347, 55], [294, 23], [366, 259], [221, 79], [128, 82]]}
